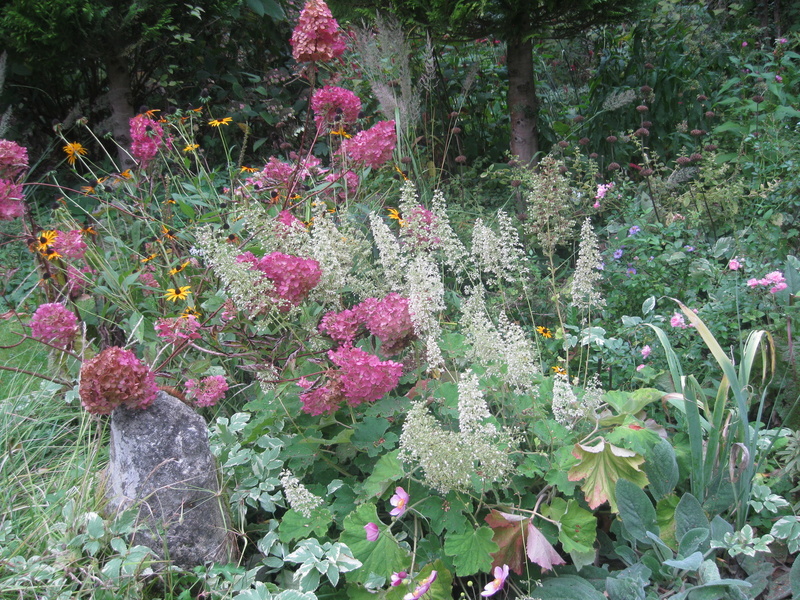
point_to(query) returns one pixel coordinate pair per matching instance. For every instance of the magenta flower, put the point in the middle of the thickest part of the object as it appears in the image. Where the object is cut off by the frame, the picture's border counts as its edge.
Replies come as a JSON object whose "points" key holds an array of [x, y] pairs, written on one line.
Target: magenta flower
{"points": [[734, 264], [639, 367], [372, 532], [602, 190], [13, 159], [646, 351], [398, 578], [147, 137], [777, 288], [208, 391], [54, 324], [364, 377], [177, 329], [293, 277], [374, 146], [336, 106], [317, 35], [678, 321], [11, 196], [114, 378], [422, 588], [500, 576], [70, 244], [778, 78], [399, 501], [324, 399]]}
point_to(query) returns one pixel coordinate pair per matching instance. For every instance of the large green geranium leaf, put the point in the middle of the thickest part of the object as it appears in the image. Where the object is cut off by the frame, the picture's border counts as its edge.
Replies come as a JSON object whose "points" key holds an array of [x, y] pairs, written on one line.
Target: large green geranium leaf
{"points": [[601, 466], [387, 470], [383, 556], [471, 551]]}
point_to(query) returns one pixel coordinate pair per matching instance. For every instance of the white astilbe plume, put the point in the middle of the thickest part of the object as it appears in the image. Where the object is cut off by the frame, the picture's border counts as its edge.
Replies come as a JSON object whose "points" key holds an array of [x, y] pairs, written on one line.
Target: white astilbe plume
{"points": [[498, 255], [424, 289], [450, 459], [566, 408], [248, 288], [494, 346], [453, 250], [393, 261], [585, 292], [298, 497]]}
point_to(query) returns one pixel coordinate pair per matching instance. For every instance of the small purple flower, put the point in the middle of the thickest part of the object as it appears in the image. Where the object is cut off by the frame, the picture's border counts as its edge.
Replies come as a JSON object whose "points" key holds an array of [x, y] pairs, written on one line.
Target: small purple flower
{"points": [[782, 41], [618, 254], [778, 78], [601, 266], [633, 230], [398, 578], [631, 271], [399, 501], [372, 532], [744, 44], [639, 367], [422, 588], [689, 248]]}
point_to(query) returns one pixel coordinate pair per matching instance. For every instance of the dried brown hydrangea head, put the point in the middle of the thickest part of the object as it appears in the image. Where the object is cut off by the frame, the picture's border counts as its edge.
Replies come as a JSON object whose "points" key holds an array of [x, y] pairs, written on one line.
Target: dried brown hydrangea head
{"points": [[114, 378]]}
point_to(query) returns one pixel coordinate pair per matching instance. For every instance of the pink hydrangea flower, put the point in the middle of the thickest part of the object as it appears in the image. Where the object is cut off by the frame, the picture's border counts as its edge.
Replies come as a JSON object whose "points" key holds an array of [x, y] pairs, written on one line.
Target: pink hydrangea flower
{"points": [[293, 277], [374, 146], [13, 159], [494, 586], [343, 326], [70, 244], [678, 321], [78, 280], [331, 102], [372, 531], [734, 264], [55, 324], [316, 36], [208, 391], [423, 587], [399, 501], [114, 378], [177, 329], [347, 180], [398, 578], [147, 137], [365, 378], [11, 196], [324, 399], [389, 320]]}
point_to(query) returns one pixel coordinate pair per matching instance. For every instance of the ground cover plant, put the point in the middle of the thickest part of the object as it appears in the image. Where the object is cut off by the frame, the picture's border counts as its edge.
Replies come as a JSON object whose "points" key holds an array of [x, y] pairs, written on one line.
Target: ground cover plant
{"points": [[425, 375]]}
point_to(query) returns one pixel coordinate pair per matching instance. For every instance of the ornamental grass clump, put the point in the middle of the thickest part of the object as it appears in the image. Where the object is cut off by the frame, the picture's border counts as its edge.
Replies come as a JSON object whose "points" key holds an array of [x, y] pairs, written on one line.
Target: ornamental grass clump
{"points": [[115, 378]]}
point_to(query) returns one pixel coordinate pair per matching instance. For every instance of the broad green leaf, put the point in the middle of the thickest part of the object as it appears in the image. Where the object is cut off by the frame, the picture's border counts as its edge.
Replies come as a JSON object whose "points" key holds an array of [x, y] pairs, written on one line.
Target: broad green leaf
{"points": [[794, 579], [665, 517], [295, 526], [690, 563], [601, 466], [578, 526], [567, 587], [788, 528], [387, 470], [689, 515], [471, 550], [661, 468], [623, 588], [632, 402], [692, 539], [636, 510], [383, 556]]}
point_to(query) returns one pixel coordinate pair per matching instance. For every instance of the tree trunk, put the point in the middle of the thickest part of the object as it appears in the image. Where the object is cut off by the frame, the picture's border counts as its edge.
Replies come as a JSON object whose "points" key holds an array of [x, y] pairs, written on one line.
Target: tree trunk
{"points": [[119, 90], [523, 105]]}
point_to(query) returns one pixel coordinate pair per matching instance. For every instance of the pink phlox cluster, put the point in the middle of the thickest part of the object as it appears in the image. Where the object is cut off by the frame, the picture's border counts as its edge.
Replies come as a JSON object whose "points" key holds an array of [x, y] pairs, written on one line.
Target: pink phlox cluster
{"points": [[208, 391], [374, 146], [292, 277], [114, 378], [420, 228], [177, 329], [54, 323], [324, 399], [147, 137], [331, 102], [13, 159], [11, 196], [365, 378], [774, 279], [147, 278], [70, 244], [316, 36], [343, 327], [602, 190]]}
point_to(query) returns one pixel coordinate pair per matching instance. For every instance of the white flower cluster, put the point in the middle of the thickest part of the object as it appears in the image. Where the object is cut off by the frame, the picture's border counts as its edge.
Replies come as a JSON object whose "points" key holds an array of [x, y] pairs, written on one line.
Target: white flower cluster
{"points": [[499, 255], [494, 346], [425, 292], [567, 408], [450, 459], [298, 497], [585, 292], [452, 249], [249, 289]]}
